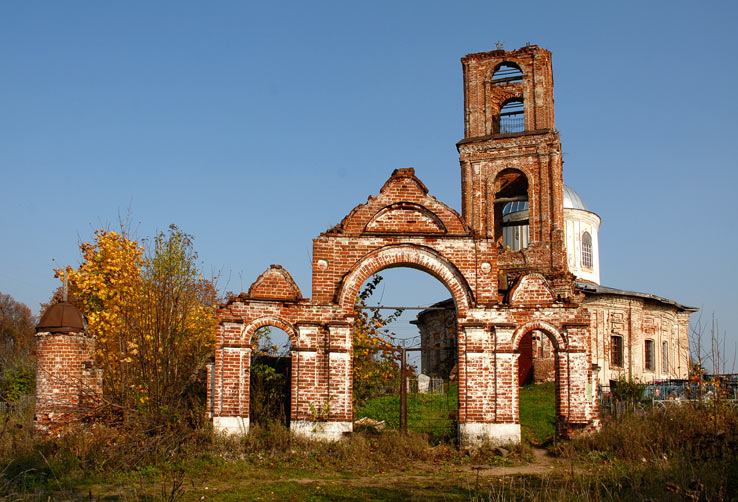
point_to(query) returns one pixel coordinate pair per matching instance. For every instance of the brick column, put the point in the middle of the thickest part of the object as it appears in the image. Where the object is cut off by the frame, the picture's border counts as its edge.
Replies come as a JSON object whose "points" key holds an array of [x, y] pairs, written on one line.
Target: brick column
{"points": [[575, 393], [232, 382], [315, 365], [68, 384], [487, 387]]}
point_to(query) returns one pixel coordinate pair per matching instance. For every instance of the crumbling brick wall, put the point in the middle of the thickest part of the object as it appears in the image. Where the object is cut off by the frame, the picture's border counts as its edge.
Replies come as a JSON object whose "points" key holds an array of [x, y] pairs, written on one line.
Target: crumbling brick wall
{"points": [[499, 295], [68, 383]]}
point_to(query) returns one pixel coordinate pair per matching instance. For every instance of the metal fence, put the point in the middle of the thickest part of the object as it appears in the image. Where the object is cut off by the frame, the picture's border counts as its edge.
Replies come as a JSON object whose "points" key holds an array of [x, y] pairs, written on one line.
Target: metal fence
{"points": [[21, 407], [665, 393], [426, 404]]}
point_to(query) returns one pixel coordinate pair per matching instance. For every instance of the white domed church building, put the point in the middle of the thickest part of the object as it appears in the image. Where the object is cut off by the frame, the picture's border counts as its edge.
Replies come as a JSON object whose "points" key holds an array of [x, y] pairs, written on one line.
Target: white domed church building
{"points": [[635, 336]]}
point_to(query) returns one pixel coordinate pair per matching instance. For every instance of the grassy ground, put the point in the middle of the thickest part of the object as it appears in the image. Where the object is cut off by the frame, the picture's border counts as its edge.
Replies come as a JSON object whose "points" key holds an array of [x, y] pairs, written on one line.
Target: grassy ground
{"points": [[435, 415], [538, 412], [431, 414], [681, 453]]}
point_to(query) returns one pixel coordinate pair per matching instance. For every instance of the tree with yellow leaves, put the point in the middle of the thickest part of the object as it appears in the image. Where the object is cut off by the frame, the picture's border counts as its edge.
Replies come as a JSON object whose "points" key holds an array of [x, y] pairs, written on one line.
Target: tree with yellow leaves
{"points": [[153, 315], [106, 287]]}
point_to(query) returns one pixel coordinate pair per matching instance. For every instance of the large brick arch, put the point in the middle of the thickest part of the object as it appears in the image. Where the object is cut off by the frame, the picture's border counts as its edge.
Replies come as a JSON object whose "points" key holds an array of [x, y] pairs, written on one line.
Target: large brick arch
{"points": [[407, 255], [557, 338], [249, 330]]}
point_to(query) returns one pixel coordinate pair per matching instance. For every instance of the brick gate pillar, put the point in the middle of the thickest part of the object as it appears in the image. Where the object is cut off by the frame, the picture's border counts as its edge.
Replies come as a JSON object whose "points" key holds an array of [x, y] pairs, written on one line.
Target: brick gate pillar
{"points": [[340, 379], [322, 376], [487, 386], [576, 393], [232, 386]]}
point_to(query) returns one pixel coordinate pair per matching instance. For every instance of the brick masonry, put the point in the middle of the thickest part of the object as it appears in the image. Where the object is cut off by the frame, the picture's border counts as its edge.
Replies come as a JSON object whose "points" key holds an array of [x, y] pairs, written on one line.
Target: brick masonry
{"points": [[499, 295], [68, 384]]}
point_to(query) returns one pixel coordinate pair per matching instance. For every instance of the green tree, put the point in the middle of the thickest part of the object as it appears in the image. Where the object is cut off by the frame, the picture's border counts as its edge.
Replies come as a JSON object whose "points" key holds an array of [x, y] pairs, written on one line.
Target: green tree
{"points": [[17, 367]]}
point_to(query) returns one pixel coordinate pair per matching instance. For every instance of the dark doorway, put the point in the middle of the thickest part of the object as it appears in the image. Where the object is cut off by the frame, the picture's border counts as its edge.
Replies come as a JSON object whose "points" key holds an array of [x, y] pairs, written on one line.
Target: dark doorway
{"points": [[271, 378], [525, 361]]}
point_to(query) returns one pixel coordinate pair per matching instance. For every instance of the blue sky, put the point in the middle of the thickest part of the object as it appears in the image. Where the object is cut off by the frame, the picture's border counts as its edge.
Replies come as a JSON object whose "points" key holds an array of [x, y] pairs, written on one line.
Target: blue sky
{"points": [[255, 126]]}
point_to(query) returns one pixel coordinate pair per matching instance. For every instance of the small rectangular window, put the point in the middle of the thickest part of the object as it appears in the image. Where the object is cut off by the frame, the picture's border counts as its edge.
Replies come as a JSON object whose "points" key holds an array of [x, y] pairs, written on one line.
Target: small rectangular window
{"points": [[650, 363], [616, 351]]}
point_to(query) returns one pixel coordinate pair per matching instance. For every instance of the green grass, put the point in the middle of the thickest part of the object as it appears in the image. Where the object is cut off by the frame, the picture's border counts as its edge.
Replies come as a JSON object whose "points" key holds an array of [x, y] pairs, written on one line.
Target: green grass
{"points": [[538, 412], [435, 415], [431, 414]]}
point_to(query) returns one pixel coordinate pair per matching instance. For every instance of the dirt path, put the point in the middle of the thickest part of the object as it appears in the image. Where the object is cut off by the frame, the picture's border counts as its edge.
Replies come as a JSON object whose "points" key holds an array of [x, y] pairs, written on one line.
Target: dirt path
{"points": [[543, 463], [424, 481]]}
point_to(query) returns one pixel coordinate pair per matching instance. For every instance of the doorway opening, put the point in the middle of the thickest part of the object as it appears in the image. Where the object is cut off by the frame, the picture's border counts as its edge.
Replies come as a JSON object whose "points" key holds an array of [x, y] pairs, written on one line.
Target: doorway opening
{"points": [[270, 377], [405, 354], [538, 380]]}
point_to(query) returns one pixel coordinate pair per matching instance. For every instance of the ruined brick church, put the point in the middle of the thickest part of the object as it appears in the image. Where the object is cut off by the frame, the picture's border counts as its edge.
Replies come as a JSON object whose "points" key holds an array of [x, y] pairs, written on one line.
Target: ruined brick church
{"points": [[511, 153], [506, 269]]}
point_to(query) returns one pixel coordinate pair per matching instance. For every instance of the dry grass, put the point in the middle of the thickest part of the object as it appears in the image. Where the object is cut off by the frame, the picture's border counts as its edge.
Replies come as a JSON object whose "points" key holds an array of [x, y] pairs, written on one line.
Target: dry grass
{"points": [[681, 453]]}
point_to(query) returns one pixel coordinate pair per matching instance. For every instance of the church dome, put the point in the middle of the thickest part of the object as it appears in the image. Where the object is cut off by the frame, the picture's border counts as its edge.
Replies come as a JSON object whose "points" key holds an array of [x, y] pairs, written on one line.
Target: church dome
{"points": [[572, 200]]}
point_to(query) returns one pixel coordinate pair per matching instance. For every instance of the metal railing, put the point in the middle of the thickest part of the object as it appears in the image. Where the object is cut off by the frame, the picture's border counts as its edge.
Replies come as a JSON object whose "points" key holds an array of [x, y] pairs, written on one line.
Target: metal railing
{"points": [[24, 405], [511, 124]]}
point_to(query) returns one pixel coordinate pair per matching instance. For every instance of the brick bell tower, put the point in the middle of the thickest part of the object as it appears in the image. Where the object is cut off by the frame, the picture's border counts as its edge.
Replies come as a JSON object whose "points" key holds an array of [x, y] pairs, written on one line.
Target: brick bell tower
{"points": [[511, 168]]}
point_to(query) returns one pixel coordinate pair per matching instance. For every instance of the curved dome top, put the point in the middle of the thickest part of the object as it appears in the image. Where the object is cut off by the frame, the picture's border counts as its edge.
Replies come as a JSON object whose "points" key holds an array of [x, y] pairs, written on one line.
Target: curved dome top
{"points": [[572, 200]]}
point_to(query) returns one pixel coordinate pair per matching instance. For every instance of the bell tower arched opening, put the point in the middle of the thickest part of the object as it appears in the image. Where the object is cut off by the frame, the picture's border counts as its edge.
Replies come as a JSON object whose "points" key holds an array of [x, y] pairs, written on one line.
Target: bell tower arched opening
{"points": [[510, 214], [511, 118]]}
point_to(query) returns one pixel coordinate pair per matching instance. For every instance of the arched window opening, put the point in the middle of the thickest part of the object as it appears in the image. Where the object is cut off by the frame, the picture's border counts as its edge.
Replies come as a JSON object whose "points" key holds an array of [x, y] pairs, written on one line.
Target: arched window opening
{"points": [[650, 362], [507, 73], [512, 117], [665, 357], [586, 250], [616, 351], [511, 211], [515, 229], [271, 377]]}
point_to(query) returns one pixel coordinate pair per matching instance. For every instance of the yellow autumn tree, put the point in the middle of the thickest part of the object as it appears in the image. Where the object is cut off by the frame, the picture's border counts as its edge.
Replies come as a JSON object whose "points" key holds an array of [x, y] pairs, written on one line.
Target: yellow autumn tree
{"points": [[106, 288], [376, 367], [153, 316]]}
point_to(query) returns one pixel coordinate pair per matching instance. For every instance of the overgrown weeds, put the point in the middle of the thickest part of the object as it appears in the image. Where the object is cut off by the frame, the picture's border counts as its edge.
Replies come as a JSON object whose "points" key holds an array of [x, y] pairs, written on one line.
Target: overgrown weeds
{"points": [[690, 450], [274, 445], [669, 454]]}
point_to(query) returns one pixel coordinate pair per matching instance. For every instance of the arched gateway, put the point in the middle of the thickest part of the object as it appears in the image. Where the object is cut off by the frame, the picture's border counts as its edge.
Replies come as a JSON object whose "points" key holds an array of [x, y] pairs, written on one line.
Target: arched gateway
{"points": [[501, 293]]}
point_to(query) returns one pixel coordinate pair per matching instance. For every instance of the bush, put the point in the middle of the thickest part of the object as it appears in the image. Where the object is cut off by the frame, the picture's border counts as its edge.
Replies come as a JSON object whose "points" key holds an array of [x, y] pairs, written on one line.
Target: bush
{"points": [[16, 382], [628, 390]]}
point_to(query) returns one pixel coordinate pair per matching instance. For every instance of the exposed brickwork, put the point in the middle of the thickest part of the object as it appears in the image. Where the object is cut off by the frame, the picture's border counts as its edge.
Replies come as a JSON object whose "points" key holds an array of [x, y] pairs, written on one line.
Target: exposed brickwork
{"points": [[275, 283], [531, 290], [68, 385], [499, 295], [405, 226]]}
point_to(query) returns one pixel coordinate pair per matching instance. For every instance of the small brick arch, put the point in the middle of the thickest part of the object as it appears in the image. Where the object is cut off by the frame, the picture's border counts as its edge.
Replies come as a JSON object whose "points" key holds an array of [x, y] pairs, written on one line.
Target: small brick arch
{"points": [[499, 96], [249, 331], [412, 256], [522, 66], [558, 339]]}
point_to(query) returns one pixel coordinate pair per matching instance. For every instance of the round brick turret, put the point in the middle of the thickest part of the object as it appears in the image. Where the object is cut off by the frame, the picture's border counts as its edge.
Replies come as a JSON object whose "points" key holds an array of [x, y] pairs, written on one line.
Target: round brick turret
{"points": [[68, 385]]}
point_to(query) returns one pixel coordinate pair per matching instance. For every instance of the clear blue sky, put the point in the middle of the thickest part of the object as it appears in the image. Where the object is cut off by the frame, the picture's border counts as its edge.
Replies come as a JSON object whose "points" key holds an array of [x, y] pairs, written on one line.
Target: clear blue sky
{"points": [[254, 126]]}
